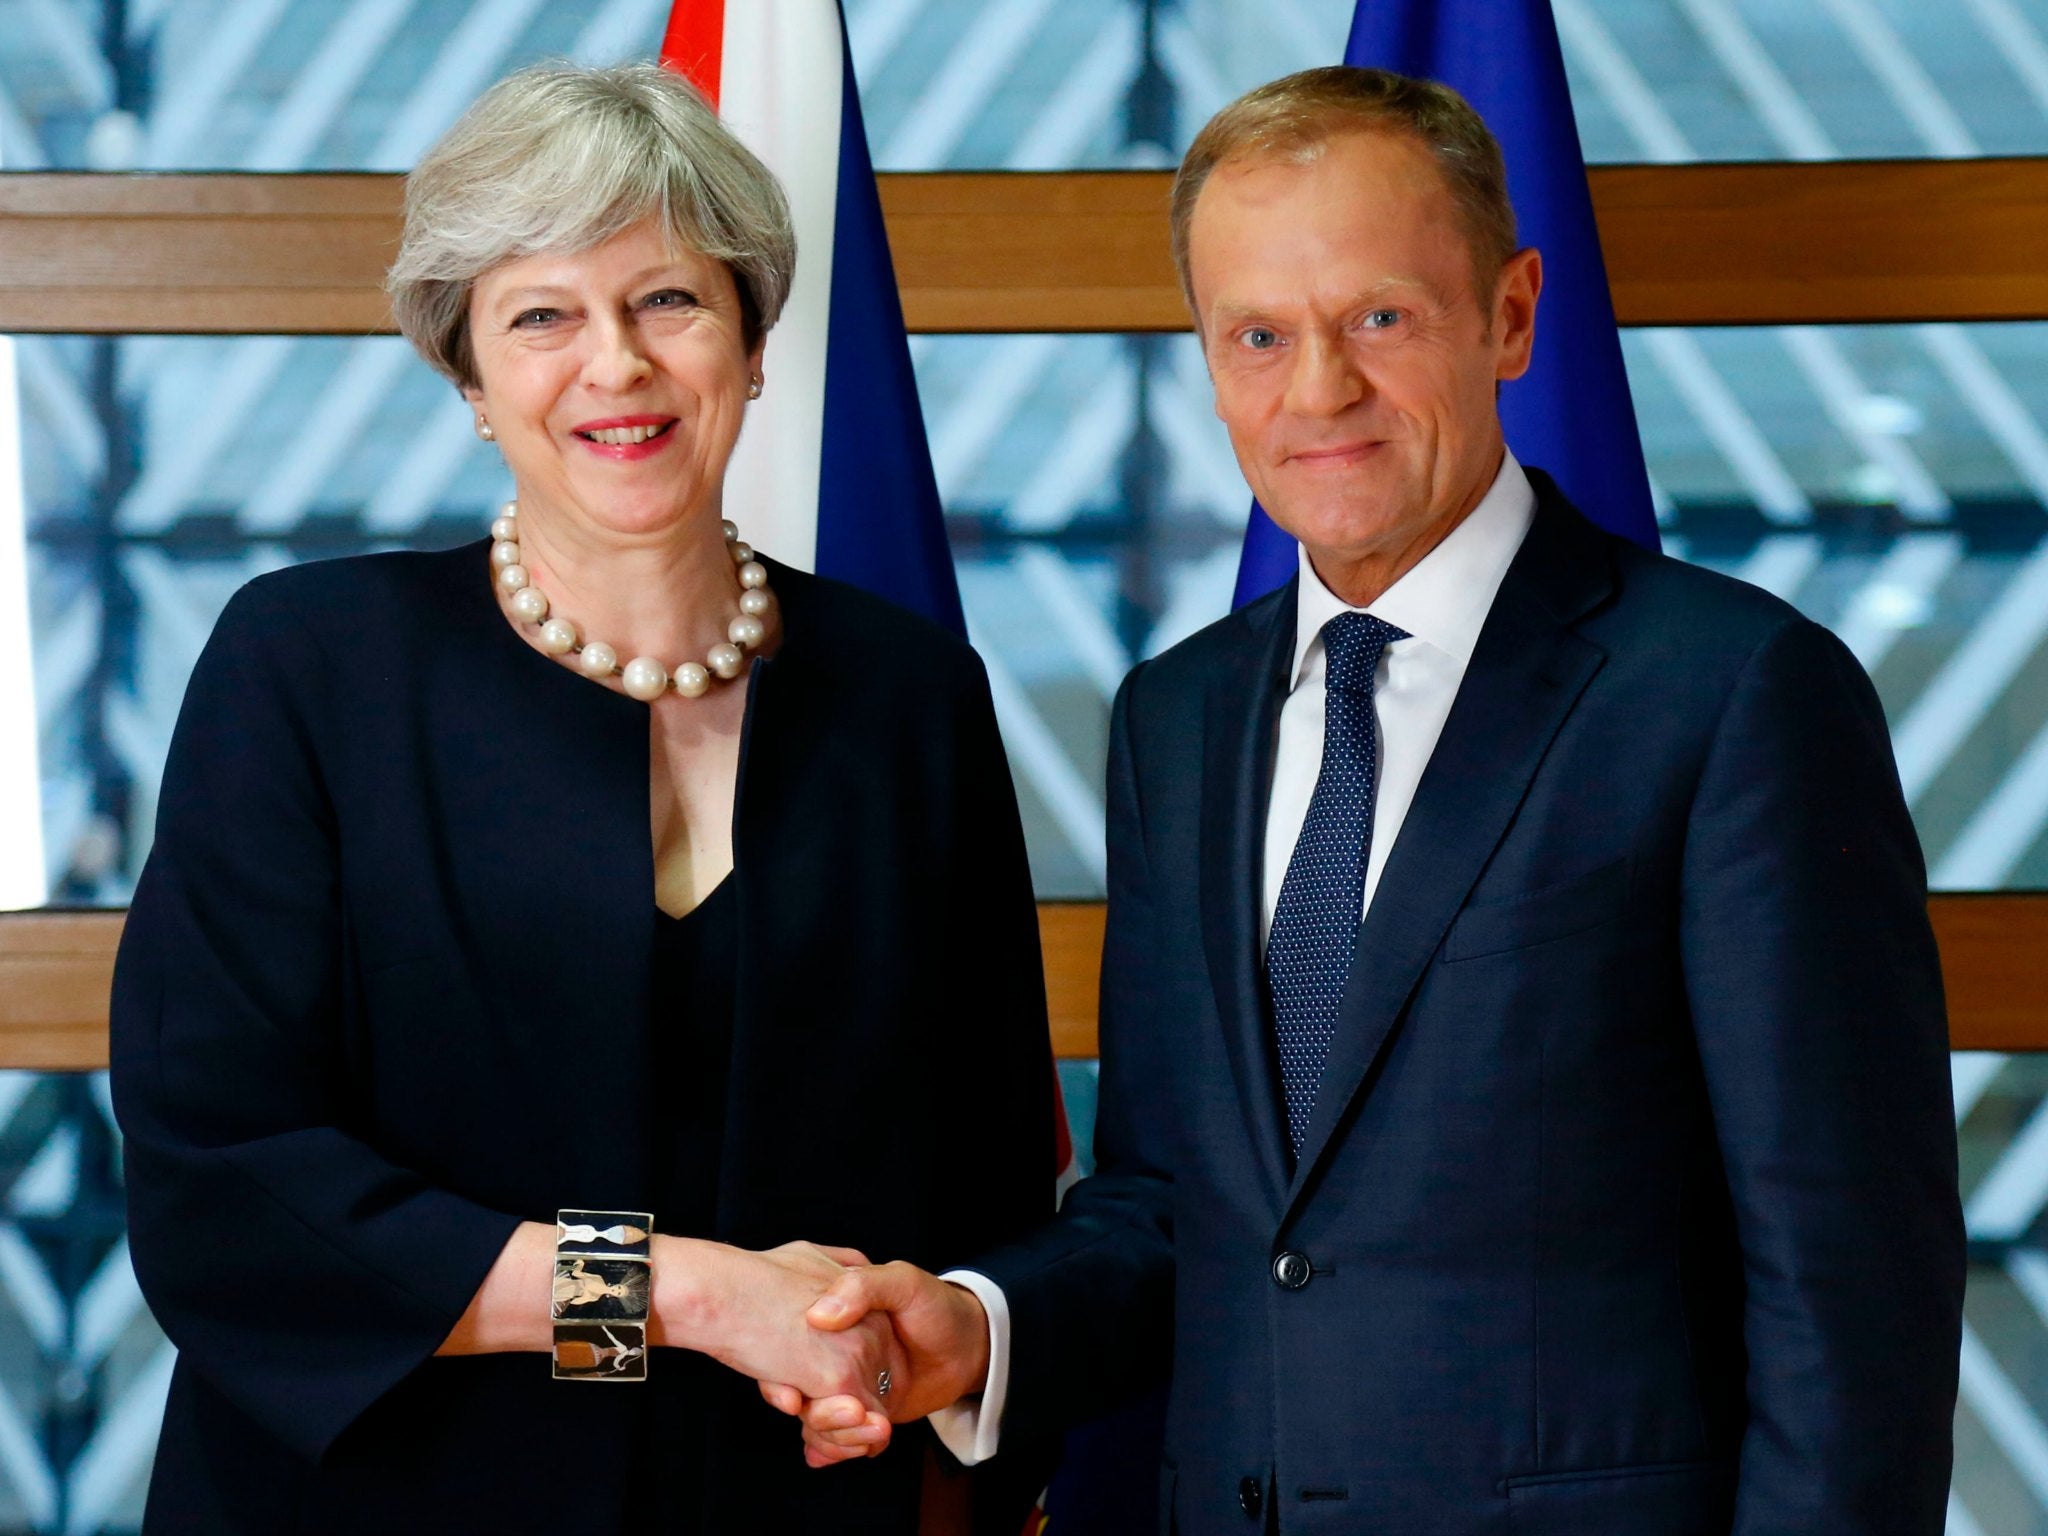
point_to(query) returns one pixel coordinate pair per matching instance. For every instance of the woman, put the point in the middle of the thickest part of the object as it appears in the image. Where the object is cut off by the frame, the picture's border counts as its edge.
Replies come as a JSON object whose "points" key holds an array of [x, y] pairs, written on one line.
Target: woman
{"points": [[506, 898]]}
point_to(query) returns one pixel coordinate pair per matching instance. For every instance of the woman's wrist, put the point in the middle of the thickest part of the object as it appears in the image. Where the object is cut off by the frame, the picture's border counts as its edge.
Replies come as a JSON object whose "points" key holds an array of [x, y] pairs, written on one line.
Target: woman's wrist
{"points": [[688, 1296], [509, 1312]]}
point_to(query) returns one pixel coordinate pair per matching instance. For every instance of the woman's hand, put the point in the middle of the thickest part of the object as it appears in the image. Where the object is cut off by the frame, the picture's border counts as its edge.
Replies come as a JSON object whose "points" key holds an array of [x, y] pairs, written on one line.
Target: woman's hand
{"points": [[747, 1310]]}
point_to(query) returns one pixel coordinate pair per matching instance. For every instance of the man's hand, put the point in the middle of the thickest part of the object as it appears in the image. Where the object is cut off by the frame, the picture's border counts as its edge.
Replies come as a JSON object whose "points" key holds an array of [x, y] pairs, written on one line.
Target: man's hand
{"points": [[942, 1342]]}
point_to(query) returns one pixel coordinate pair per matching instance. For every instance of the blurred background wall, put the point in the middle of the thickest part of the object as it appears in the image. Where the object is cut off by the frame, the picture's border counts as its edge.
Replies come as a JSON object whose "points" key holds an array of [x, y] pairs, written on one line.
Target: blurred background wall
{"points": [[1892, 482]]}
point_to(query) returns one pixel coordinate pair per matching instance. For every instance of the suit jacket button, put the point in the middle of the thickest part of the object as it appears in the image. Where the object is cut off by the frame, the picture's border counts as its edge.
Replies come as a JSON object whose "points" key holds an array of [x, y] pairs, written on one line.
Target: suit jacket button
{"points": [[1291, 1270], [1249, 1495]]}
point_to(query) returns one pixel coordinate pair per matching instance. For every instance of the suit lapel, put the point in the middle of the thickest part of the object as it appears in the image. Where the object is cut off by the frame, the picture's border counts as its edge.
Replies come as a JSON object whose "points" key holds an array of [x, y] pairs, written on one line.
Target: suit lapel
{"points": [[1240, 715], [1527, 672]]}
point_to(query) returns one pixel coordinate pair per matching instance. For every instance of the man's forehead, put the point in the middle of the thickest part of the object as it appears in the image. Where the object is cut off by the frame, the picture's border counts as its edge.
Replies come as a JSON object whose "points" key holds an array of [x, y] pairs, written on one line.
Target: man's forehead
{"points": [[1258, 243], [1386, 147]]}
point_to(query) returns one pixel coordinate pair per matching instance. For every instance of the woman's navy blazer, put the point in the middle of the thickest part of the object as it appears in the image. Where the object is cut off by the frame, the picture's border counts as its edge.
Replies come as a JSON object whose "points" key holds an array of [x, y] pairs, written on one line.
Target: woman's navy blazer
{"points": [[384, 993]]}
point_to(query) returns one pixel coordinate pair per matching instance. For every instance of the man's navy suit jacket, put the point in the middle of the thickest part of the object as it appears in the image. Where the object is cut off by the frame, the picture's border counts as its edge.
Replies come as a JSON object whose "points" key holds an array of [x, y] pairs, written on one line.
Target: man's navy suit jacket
{"points": [[1629, 1201]]}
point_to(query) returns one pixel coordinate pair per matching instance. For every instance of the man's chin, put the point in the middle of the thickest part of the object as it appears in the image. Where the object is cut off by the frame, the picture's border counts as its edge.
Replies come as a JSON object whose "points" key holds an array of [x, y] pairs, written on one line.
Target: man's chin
{"points": [[1336, 524]]}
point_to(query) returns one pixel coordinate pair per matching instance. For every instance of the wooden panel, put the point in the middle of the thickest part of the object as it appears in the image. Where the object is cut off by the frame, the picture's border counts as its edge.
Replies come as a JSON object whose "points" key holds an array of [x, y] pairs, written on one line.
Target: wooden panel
{"points": [[232, 253], [1059, 251], [1820, 243], [1080, 251], [1994, 958], [55, 968], [1071, 934]]}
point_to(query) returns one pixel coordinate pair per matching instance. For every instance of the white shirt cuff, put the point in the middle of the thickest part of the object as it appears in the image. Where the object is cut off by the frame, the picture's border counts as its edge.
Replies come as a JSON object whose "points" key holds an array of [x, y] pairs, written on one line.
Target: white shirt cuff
{"points": [[970, 1427]]}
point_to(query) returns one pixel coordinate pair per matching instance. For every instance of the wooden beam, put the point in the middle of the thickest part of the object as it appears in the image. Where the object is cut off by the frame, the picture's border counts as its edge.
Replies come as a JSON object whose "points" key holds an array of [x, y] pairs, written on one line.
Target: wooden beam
{"points": [[1872, 242], [56, 968], [234, 254], [1994, 961], [1810, 244], [1070, 934]]}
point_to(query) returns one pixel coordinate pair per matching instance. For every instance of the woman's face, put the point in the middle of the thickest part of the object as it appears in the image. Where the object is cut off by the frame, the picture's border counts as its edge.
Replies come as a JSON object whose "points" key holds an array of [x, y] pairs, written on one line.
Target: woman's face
{"points": [[580, 354]]}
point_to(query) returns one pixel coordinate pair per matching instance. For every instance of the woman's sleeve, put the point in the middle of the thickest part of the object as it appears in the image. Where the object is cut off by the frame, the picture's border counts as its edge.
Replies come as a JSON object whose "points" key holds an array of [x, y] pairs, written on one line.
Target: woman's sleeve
{"points": [[298, 1271]]}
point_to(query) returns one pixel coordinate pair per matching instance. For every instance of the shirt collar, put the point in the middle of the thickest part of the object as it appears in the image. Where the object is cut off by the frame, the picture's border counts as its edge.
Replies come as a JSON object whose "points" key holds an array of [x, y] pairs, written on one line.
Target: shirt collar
{"points": [[1445, 597]]}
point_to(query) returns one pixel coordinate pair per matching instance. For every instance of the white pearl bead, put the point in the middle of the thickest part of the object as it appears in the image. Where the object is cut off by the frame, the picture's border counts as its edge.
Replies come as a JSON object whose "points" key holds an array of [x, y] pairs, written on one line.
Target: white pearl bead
{"points": [[753, 574], [742, 552], [725, 660], [732, 530], [558, 637], [692, 680], [512, 577], [746, 631], [597, 659], [645, 678], [531, 604], [506, 530], [509, 509], [757, 602], [503, 553]]}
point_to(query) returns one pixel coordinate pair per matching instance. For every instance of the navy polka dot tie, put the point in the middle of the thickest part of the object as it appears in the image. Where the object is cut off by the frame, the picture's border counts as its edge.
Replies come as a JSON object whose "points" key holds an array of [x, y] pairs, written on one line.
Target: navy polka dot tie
{"points": [[1315, 922]]}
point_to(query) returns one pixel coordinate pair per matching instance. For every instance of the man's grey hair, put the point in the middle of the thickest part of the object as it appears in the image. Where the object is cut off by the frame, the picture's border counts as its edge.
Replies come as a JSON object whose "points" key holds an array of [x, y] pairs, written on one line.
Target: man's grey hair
{"points": [[1293, 118], [558, 158]]}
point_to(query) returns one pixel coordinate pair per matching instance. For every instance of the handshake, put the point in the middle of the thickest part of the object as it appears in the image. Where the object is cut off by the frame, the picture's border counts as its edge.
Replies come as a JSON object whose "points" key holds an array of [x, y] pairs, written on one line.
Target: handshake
{"points": [[849, 1348]]}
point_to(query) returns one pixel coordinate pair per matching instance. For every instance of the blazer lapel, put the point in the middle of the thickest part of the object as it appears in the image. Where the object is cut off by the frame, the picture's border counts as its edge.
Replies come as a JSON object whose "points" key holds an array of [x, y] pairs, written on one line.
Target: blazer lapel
{"points": [[1526, 674], [1241, 714]]}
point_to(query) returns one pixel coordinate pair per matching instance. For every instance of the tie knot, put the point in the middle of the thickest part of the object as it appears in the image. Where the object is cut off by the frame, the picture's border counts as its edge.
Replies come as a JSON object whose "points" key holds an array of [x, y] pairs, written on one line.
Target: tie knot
{"points": [[1353, 642]]}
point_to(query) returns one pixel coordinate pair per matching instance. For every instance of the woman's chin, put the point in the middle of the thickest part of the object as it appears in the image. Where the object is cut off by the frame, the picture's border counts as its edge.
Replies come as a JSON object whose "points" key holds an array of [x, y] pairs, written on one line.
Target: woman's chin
{"points": [[638, 518]]}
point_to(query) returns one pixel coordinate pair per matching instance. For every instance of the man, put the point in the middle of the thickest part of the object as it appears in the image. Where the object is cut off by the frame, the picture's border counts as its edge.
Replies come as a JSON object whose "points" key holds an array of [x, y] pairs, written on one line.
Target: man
{"points": [[1601, 1180]]}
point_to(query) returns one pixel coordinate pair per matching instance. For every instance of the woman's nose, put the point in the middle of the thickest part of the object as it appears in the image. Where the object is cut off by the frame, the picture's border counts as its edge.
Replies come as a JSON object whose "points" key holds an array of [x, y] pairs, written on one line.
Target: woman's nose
{"points": [[617, 361]]}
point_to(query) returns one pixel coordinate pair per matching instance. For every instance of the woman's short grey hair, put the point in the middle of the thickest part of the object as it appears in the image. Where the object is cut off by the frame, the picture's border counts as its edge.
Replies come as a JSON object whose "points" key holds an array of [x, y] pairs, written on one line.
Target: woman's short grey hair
{"points": [[559, 158]]}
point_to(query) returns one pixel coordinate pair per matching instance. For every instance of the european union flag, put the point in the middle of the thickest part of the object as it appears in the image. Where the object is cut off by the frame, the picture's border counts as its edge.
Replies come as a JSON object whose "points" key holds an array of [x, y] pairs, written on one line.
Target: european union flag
{"points": [[1571, 413]]}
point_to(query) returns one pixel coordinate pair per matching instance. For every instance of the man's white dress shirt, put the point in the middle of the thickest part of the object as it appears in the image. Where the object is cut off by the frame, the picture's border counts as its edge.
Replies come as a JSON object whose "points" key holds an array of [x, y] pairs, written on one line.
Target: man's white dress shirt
{"points": [[1442, 603]]}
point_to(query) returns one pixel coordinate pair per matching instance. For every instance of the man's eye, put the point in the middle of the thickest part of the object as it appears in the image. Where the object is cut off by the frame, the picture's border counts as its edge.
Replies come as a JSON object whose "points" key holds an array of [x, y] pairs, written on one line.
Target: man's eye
{"points": [[1381, 319], [1260, 339]]}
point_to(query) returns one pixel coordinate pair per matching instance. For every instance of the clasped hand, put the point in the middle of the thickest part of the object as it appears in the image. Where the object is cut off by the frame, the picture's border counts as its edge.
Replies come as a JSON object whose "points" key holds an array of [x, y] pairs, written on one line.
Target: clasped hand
{"points": [[755, 1323], [936, 1353]]}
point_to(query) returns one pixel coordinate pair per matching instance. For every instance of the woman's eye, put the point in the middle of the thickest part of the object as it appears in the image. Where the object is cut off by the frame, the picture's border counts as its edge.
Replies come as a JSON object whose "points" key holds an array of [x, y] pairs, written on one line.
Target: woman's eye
{"points": [[534, 317], [670, 298]]}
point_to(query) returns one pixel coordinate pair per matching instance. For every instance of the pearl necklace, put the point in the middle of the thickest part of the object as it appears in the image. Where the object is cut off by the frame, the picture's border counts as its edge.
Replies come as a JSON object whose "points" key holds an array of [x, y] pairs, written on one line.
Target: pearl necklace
{"points": [[643, 677]]}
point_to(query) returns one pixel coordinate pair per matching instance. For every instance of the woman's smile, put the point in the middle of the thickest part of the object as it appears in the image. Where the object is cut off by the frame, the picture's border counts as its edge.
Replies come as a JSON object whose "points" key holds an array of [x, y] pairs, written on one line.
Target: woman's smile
{"points": [[626, 438]]}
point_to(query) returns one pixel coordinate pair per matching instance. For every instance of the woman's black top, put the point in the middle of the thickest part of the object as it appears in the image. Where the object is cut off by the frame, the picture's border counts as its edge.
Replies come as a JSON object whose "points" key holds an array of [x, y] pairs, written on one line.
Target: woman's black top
{"points": [[389, 986], [689, 1037]]}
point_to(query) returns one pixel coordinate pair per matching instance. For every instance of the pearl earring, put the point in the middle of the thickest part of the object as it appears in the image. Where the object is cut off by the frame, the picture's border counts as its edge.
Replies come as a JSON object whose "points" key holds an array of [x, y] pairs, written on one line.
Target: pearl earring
{"points": [[754, 388], [483, 430]]}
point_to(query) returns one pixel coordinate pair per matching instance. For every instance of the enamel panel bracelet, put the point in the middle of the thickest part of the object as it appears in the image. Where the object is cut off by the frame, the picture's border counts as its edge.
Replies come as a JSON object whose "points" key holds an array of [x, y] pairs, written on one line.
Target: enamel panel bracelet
{"points": [[603, 1281]]}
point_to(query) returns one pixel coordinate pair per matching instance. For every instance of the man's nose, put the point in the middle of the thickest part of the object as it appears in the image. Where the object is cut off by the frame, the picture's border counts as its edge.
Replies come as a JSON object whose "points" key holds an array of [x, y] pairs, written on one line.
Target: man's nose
{"points": [[617, 359], [1326, 378]]}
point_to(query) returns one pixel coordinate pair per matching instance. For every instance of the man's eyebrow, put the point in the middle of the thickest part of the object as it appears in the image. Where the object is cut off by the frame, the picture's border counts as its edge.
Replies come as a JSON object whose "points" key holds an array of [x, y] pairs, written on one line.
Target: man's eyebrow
{"points": [[1228, 312]]}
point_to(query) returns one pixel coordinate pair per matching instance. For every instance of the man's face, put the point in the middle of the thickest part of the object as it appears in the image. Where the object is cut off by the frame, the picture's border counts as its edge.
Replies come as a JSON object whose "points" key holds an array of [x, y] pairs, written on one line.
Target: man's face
{"points": [[1353, 363]]}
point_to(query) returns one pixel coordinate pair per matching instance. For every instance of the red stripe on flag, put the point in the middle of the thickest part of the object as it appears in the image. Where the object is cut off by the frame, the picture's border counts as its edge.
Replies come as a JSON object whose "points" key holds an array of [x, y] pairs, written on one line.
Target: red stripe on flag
{"points": [[694, 43], [1062, 1137]]}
